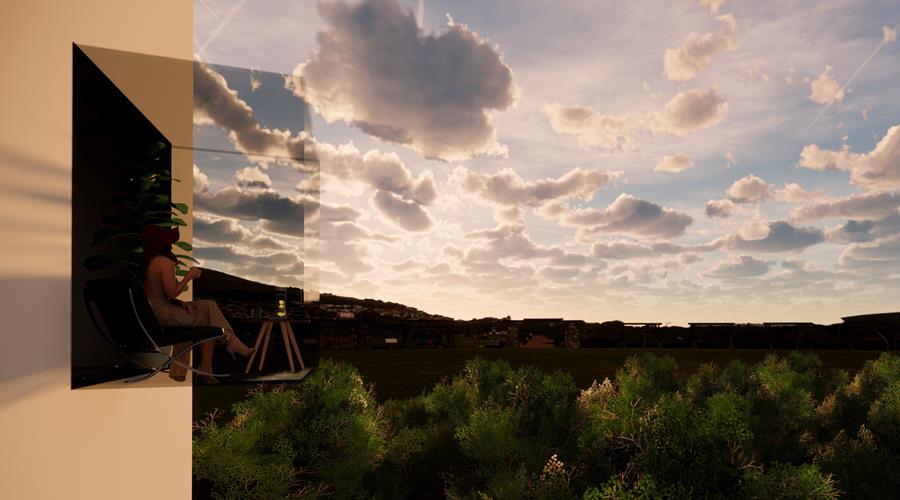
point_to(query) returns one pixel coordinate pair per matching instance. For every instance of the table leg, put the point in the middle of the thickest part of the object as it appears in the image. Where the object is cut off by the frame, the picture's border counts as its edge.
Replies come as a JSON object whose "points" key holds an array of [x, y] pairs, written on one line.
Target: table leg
{"points": [[296, 348], [265, 348], [259, 338], [287, 345]]}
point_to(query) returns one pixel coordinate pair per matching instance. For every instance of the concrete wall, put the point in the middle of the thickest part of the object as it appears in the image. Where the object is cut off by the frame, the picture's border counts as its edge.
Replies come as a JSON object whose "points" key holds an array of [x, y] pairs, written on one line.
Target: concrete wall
{"points": [[55, 442]]}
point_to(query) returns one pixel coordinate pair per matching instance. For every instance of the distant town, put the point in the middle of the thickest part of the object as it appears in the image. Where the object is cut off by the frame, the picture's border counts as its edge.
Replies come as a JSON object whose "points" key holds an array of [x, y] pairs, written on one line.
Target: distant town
{"points": [[348, 323]]}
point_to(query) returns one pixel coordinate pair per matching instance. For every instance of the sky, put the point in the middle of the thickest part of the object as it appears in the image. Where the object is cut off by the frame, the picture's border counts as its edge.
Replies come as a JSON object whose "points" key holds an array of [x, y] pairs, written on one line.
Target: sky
{"points": [[664, 161]]}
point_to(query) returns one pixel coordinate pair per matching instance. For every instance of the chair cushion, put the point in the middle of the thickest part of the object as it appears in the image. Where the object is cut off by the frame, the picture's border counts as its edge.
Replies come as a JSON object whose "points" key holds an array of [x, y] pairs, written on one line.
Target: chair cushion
{"points": [[177, 334]]}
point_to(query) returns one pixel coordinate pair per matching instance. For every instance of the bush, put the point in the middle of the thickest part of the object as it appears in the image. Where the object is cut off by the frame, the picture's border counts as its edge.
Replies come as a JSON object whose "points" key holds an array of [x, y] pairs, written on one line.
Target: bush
{"points": [[324, 436], [779, 429]]}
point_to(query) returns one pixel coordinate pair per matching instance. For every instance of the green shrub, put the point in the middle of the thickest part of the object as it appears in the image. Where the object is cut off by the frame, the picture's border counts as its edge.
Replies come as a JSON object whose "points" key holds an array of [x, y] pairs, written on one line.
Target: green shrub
{"points": [[778, 429], [646, 377], [326, 435], [788, 482], [884, 417], [861, 468]]}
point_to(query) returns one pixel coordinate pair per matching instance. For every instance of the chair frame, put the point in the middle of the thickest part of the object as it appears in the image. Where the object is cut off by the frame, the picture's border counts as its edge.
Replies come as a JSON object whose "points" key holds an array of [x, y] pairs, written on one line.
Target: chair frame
{"points": [[170, 359]]}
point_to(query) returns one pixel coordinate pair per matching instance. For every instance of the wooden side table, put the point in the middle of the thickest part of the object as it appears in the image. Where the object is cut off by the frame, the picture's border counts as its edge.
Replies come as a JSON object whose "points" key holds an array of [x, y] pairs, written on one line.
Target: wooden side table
{"points": [[290, 341]]}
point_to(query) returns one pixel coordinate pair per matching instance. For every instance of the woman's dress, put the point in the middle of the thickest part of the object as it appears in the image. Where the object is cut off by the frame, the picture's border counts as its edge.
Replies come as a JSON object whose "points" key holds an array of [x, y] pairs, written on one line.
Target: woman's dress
{"points": [[205, 313]]}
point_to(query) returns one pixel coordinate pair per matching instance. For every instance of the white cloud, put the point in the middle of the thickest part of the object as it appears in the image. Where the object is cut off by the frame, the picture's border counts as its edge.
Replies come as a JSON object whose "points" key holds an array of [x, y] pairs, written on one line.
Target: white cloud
{"points": [[397, 194], [868, 206], [888, 35], [215, 103], [736, 267], [730, 159], [629, 216], [507, 188], [795, 193], [854, 231], [593, 130], [252, 177], [201, 180], [749, 189], [714, 5], [622, 250], [882, 256], [686, 112], [721, 208], [778, 236], [375, 69], [824, 89], [691, 110], [877, 170], [696, 52], [673, 163], [213, 230]]}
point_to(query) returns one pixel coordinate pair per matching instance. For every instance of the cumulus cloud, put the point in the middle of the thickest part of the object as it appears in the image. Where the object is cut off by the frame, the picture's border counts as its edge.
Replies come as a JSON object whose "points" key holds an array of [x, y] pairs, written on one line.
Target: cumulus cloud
{"points": [[869, 206], [877, 170], [275, 213], [685, 112], [795, 193], [201, 180], [507, 241], [749, 189], [252, 177], [854, 231], [714, 5], [213, 230], [691, 110], [824, 89], [630, 216], [721, 208], [507, 188], [622, 250], [397, 194], [405, 213], [730, 159], [882, 255], [594, 130], [374, 68], [735, 267], [888, 35], [215, 103], [673, 163], [781, 236], [696, 52]]}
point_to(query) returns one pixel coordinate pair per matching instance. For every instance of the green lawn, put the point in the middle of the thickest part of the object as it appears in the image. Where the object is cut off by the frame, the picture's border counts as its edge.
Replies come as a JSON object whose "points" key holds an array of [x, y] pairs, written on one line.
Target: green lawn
{"points": [[404, 373]]}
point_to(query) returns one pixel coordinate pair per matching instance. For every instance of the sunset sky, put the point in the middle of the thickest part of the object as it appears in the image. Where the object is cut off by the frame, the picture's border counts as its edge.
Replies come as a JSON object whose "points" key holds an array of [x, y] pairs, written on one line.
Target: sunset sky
{"points": [[670, 160]]}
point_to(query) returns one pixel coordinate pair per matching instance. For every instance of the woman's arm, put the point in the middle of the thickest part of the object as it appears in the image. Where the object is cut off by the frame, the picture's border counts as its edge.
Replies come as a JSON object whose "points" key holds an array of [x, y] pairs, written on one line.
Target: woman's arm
{"points": [[170, 283]]}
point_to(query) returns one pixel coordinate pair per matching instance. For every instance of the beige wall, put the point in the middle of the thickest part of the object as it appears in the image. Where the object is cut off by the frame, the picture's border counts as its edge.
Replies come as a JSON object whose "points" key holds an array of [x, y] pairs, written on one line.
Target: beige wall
{"points": [[55, 442]]}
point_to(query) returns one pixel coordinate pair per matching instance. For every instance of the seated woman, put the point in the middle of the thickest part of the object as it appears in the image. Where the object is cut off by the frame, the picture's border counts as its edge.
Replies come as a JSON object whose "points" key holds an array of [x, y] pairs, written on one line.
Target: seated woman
{"points": [[162, 289]]}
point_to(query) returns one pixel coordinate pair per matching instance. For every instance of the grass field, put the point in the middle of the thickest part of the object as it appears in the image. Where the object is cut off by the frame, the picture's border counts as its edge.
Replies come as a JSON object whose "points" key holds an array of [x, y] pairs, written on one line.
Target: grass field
{"points": [[405, 373]]}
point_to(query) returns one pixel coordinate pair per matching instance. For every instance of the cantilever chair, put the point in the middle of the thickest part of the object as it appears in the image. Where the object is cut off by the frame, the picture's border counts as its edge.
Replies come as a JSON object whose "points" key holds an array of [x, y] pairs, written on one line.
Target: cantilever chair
{"points": [[127, 322]]}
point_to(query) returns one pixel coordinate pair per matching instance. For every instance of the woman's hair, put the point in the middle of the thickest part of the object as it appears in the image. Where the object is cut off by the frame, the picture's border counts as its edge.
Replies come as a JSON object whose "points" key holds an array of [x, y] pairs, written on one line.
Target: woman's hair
{"points": [[157, 240]]}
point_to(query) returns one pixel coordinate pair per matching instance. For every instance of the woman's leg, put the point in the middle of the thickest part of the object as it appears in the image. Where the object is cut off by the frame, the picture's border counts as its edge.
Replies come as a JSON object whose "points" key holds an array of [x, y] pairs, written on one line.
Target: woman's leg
{"points": [[177, 371], [206, 356], [209, 311]]}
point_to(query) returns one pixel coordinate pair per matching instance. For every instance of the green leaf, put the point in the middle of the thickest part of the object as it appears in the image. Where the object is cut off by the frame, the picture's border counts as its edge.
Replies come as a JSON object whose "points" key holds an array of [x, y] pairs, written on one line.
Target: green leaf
{"points": [[112, 232], [181, 207], [181, 272], [155, 198], [154, 149], [187, 247], [171, 223], [180, 256]]}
